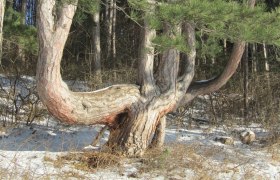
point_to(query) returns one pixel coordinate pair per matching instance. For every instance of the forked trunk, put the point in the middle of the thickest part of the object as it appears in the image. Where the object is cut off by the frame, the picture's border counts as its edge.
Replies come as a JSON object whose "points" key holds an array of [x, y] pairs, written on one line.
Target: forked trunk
{"points": [[134, 132], [135, 116], [137, 130]]}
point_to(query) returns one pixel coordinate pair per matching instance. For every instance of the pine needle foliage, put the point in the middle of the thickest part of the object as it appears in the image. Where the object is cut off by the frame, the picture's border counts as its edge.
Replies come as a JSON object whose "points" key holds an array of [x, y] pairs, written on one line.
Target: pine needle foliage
{"points": [[215, 19], [89, 6], [20, 34]]}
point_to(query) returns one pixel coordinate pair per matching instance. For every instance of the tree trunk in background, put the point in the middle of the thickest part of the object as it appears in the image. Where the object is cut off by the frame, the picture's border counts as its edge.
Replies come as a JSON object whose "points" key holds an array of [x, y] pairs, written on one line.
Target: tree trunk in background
{"points": [[23, 11], [267, 68], [96, 50], [114, 18], [2, 13], [21, 52], [265, 57], [254, 58], [109, 28], [213, 60], [245, 82], [111, 13], [225, 46]]}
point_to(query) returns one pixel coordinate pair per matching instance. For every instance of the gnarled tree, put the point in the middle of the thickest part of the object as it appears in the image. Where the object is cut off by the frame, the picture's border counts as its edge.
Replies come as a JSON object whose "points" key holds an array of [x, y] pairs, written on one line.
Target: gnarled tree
{"points": [[134, 114]]}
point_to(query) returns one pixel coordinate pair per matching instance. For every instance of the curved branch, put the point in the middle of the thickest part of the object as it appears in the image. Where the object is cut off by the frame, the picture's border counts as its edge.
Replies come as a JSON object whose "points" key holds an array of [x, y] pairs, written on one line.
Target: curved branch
{"points": [[102, 106], [188, 29], [208, 86]]}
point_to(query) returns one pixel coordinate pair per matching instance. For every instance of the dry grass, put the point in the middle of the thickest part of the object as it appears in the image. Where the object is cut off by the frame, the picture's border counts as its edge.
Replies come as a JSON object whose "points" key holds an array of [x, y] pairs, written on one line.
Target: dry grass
{"points": [[88, 161], [205, 163], [272, 145], [173, 161]]}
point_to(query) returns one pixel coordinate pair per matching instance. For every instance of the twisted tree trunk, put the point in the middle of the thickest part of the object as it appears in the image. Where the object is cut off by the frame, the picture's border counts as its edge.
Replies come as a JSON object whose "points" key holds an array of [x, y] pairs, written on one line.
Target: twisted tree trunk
{"points": [[101, 106], [135, 115]]}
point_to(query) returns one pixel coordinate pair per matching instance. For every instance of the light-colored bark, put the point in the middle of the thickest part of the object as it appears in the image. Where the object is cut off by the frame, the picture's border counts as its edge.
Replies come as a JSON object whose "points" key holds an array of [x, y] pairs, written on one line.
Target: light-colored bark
{"points": [[134, 115], [211, 85], [99, 136], [23, 11], [146, 61], [265, 57], [254, 59], [96, 53], [245, 81], [159, 136], [100, 106], [215, 83], [132, 118], [114, 19], [225, 46], [169, 64], [109, 24], [2, 13]]}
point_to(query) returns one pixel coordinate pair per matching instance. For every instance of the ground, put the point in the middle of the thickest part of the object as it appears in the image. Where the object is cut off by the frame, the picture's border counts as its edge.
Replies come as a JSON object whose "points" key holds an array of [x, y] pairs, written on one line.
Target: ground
{"points": [[38, 151]]}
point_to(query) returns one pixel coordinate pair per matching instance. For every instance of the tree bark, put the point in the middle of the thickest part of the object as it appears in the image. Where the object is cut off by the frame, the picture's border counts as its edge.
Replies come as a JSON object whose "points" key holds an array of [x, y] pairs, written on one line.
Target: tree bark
{"points": [[135, 117], [245, 82], [144, 125], [215, 83], [23, 11], [2, 13], [114, 19], [265, 57], [109, 29], [96, 48], [98, 107], [254, 59], [21, 52], [159, 136], [146, 61]]}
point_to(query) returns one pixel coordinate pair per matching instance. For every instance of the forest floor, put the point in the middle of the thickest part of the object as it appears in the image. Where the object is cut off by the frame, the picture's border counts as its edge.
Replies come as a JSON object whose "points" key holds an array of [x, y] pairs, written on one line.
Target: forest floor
{"points": [[50, 152], [48, 149]]}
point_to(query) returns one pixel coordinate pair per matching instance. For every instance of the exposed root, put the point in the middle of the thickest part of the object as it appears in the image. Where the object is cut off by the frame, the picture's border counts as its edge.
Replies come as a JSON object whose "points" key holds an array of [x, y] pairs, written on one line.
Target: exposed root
{"points": [[99, 136]]}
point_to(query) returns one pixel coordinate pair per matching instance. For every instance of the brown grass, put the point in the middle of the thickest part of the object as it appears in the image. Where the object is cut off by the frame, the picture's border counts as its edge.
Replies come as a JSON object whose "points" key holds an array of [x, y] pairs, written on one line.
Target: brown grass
{"points": [[173, 161], [205, 163], [91, 160]]}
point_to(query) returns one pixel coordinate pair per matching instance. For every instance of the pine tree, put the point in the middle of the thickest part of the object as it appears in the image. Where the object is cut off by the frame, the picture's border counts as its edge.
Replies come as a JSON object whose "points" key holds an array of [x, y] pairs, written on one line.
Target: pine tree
{"points": [[136, 114]]}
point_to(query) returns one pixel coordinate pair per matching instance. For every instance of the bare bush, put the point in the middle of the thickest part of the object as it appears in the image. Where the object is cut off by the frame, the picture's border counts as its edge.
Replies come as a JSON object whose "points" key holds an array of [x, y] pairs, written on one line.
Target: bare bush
{"points": [[19, 101]]}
